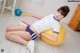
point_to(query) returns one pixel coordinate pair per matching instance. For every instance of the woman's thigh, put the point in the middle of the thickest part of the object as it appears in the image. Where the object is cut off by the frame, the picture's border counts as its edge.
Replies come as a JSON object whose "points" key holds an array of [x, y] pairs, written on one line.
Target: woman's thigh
{"points": [[23, 34], [16, 28]]}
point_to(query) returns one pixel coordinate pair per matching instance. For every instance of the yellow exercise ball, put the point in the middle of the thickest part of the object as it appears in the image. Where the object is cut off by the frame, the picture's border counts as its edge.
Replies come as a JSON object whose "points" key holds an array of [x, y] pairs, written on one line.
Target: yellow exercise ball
{"points": [[50, 33]]}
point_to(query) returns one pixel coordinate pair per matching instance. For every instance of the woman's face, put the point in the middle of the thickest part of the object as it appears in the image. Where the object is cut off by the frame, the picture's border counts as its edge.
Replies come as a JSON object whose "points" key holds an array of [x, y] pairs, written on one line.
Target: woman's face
{"points": [[58, 15]]}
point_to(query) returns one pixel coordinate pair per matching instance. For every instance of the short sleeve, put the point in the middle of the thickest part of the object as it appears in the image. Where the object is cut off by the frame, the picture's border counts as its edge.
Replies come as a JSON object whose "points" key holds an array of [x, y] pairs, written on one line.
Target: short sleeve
{"points": [[56, 28]]}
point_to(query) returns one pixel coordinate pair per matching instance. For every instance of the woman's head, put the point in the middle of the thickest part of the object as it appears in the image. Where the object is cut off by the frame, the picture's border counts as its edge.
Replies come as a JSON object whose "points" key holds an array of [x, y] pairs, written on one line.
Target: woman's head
{"points": [[62, 12]]}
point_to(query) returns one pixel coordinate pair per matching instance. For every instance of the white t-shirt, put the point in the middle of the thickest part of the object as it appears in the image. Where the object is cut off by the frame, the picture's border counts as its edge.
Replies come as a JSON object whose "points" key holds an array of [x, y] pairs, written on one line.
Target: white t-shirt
{"points": [[48, 22]]}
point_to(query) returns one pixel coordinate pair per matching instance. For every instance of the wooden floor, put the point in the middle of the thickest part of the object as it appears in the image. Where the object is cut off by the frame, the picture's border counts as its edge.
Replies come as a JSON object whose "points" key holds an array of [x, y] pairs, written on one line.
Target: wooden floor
{"points": [[70, 45]]}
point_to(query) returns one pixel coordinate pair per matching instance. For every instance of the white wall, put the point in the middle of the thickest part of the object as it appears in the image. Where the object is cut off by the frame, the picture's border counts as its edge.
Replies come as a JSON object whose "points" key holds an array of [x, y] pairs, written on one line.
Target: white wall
{"points": [[45, 7]]}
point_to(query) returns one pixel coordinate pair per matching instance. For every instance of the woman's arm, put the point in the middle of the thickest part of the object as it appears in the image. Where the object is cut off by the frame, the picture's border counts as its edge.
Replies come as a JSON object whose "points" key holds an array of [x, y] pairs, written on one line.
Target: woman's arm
{"points": [[54, 38]]}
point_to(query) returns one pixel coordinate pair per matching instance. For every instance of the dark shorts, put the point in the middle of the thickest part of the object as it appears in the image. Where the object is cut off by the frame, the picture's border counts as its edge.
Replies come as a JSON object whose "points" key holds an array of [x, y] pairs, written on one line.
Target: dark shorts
{"points": [[33, 35]]}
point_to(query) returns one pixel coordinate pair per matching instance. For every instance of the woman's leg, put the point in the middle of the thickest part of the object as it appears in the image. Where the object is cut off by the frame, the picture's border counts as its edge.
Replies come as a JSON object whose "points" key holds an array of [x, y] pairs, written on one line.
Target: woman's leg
{"points": [[16, 28], [18, 36]]}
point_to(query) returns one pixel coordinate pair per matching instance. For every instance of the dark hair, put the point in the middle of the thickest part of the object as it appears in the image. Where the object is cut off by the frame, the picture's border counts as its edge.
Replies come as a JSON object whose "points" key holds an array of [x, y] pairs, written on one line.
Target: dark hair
{"points": [[64, 10]]}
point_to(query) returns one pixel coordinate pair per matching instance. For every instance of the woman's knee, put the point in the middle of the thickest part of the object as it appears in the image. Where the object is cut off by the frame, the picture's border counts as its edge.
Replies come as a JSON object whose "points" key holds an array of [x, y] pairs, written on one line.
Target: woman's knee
{"points": [[7, 35], [7, 28]]}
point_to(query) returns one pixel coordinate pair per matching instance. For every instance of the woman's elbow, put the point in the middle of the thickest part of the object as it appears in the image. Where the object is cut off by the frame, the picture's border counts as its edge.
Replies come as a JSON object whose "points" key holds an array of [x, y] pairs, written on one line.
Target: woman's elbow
{"points": [[54, 40]]}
